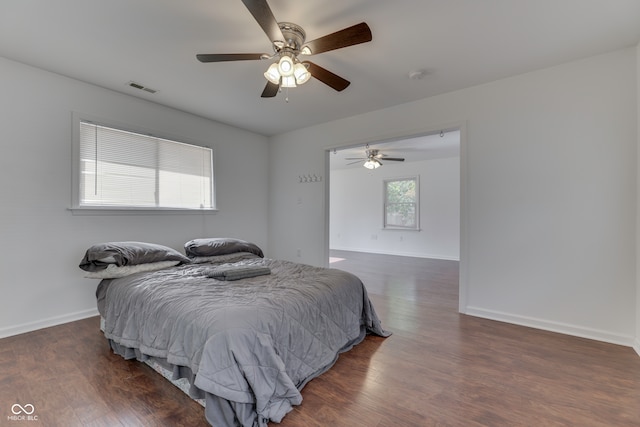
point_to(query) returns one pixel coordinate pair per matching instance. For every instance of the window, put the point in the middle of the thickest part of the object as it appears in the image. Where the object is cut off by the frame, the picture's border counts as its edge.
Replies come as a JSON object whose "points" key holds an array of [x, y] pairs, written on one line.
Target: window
{"points": [[118, 169], [401, 203]]}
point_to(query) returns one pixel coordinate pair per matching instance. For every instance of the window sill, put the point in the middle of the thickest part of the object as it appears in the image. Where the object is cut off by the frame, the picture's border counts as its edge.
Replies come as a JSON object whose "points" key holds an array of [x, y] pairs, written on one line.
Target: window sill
{"points": [[106, 210], [401, 228]]}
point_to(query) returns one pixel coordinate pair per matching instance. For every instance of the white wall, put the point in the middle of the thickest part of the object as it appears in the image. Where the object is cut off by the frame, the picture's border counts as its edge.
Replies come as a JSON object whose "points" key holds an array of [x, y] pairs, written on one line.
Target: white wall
{"points": [[42, 242], [356, 210], [549, 192], [637, 335]]}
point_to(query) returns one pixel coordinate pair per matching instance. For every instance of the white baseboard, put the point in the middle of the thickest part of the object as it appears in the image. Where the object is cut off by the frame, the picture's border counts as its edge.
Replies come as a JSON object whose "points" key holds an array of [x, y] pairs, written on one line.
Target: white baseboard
{"points": [[636, 346], [397, 253], [46, 323], [563, 328]]}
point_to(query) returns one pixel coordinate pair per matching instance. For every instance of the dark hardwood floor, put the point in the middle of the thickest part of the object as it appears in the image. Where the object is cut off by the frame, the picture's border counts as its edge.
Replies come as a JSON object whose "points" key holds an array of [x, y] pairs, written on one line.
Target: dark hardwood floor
{"points": [[439, 368]]}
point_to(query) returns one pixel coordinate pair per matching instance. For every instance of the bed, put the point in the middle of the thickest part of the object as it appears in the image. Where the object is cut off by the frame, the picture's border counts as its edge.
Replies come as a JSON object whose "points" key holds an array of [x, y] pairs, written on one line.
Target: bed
{"points": [[244, 333]]}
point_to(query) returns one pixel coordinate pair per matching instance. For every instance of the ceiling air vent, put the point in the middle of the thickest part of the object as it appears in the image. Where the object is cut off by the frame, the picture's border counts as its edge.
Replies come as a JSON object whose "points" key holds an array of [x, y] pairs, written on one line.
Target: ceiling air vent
{"points": [[141, 87]]}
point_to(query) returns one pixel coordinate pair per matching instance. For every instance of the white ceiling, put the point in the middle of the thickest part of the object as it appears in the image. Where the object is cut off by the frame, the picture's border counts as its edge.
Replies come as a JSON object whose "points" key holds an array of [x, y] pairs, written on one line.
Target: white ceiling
{"points": [[415, 149], [458, 43]]}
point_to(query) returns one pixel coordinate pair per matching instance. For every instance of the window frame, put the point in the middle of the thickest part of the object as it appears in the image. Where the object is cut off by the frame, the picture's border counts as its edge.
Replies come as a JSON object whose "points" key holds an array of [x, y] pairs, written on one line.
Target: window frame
{"points": [[78, 209], [416, 203]]}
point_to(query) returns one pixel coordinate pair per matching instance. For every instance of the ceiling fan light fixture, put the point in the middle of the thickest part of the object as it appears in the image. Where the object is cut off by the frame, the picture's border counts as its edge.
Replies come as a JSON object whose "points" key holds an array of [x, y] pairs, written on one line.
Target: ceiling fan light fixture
{"points": [[287, 73], [301, 73], [288, 81], [272, 74], [372, 164], [285, 66]]}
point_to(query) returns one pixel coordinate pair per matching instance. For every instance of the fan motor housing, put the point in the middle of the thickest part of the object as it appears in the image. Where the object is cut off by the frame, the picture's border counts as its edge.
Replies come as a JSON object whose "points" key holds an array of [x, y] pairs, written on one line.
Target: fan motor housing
{"points": [[294, 36]]}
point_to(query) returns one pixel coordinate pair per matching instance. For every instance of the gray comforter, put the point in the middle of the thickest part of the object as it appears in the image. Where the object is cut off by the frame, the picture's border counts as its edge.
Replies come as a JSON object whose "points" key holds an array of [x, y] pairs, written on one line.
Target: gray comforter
{"points": [[249, 345]]}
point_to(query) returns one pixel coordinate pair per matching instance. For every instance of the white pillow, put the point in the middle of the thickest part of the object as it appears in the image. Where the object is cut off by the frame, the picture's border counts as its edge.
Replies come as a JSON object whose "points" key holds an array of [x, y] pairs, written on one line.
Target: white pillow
{"points": [[227, 258], [113, 271]]}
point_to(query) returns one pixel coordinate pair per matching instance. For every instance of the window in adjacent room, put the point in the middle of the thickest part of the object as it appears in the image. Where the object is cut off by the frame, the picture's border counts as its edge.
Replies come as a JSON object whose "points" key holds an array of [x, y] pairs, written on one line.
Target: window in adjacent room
{"points": [[120, 169], [402, 203]]}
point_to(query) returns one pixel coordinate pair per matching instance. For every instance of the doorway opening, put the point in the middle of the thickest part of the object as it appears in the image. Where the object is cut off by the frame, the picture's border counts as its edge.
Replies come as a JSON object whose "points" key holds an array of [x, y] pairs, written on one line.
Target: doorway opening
{"points": [[358, 206]]}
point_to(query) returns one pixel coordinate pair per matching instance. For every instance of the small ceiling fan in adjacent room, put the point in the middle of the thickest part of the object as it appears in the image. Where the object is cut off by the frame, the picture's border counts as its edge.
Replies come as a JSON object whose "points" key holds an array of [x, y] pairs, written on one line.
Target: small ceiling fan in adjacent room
{"points": [[372, 159], [288, 42]]}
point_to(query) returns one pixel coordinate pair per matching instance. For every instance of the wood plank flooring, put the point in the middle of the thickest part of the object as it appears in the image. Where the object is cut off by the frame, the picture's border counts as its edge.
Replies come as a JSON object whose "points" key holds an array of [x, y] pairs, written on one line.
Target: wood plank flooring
{"points": [[439, 368]]}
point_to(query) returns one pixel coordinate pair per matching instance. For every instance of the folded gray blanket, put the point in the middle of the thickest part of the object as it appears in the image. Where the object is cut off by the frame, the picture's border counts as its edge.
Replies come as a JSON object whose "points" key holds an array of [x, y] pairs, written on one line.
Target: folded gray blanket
{"points": [[236, 273]]}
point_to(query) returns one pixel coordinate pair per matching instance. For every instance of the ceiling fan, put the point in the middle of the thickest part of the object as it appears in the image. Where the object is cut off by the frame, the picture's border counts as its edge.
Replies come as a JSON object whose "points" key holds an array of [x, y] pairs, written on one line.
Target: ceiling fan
{"points": [[372, 161], [288, 41]]}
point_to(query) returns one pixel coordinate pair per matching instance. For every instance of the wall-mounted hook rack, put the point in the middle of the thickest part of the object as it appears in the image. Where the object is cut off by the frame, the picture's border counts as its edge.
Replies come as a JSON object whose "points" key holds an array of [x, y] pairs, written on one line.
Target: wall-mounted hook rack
{"points": [[307, 178]]}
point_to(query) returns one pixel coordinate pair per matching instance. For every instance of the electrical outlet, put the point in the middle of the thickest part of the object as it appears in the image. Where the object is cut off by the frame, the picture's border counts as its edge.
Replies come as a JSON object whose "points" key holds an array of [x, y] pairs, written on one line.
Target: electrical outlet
{"points": [[298, 253]]}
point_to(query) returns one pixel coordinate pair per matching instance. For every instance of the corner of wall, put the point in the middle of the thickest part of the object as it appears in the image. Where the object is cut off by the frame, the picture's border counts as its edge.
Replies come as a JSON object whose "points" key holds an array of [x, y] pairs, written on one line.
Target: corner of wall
{"points": [[636, 345]]}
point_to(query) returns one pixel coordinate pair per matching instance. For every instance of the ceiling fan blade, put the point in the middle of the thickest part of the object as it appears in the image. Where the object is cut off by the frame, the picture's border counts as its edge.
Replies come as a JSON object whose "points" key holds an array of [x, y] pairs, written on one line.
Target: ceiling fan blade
{"points": [[221, 57], [353, 163], [262, 14], [327, 77], [393, 159], [356, 34], [355, 158], [270, 90]]}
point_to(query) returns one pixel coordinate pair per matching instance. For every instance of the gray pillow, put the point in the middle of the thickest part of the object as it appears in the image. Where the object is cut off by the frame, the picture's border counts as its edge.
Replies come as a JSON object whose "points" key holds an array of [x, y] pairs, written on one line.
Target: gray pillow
{"points": [[99, 256], [219, 246]]}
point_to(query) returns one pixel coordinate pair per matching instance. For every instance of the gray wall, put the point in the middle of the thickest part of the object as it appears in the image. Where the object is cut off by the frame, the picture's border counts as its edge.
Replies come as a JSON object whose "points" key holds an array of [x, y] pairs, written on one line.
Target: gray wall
{"points": [[548, 209], [42, 242]]}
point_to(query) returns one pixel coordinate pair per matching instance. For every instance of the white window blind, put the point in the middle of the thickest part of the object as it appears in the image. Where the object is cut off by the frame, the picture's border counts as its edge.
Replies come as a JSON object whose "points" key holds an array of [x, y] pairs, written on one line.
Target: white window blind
{"points": [[125, 169]]}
